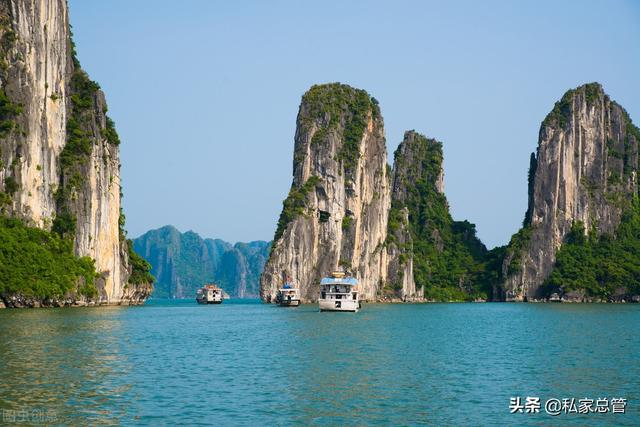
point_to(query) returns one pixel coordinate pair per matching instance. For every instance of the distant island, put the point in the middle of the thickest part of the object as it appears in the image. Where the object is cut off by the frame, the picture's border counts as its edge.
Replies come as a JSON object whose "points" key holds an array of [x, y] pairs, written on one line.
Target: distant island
{"points": [[183, 262]]}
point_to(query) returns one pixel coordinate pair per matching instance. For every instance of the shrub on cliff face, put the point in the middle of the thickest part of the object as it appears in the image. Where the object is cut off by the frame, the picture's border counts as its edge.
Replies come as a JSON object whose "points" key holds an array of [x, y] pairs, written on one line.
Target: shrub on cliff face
{"points": [[37, 263], [140, 268], [294, 205], [516, 248], [600, 265], [64, 224], [8, 112], [346, 222], [110, 133], [11, 185], [80, 139]]}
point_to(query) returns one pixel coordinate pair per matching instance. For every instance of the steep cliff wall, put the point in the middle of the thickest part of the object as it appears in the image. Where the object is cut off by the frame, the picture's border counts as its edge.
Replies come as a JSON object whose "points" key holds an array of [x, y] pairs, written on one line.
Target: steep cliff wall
{"points": [[583, 175], [35, 66], [60, 166], [336, 212], [429, 254], [182, 262]]}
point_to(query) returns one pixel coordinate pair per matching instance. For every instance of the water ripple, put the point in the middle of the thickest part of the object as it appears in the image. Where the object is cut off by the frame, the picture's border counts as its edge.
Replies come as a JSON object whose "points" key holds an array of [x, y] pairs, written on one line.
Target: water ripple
{"points": [[251, 364]]}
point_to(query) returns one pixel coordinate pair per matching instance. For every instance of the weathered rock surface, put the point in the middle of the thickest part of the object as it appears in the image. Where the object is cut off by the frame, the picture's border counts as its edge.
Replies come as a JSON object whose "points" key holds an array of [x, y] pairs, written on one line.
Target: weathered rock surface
{"points": [[35, 48], [400, 281], [51, 174], [585, 167], [336, 212]]}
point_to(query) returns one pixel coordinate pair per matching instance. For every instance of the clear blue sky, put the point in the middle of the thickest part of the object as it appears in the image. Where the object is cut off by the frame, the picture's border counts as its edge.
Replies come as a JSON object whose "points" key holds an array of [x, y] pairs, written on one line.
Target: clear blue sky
{"points": [[205, 93]]}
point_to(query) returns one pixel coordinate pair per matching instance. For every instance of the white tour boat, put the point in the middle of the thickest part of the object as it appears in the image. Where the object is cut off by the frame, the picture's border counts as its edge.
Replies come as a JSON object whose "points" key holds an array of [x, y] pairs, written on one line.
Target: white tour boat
{"points": [[288, 296], [339, 293], [209, 294]]}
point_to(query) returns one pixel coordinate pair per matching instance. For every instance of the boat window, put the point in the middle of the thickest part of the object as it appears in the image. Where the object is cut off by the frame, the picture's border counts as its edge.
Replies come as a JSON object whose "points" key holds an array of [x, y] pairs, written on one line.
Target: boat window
{"points": [[323, 295], [355, 295]]}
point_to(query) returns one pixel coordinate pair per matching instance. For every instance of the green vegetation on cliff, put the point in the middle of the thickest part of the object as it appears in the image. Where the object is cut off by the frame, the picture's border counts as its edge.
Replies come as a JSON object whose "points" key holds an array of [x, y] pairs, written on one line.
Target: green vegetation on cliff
{"points": [[81, 136], [36, 262], [295, 204], [8, 113], [516, 247], [76, 154], [140, 268], [334, 109], [9, 110], [40, 264], [606, 265], [533, 165], [347, 108], [561, 113], [33, 262], [447, 255], [600, 265], [77, 151]]}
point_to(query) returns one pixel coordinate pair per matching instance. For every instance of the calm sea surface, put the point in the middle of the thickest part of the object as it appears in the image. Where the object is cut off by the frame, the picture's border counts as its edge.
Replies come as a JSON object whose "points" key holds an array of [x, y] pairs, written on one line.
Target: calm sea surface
{"points": [[175, 362]]}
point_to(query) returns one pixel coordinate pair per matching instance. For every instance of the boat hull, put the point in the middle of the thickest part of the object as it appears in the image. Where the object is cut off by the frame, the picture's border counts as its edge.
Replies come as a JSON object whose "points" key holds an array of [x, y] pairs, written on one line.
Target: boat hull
{"points": [[208, 302], [289, 303], [339, 305]]}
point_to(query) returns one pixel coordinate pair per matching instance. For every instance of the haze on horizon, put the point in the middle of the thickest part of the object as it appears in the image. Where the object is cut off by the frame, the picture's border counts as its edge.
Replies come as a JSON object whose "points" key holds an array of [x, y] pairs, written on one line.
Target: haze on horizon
{"points": [[205, 95]]}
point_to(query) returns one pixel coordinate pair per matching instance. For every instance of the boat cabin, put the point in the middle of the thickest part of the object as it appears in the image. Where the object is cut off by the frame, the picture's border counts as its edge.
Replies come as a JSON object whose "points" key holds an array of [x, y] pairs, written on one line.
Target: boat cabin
{"points": [[288, 296], [339, 293], [209, 294]]}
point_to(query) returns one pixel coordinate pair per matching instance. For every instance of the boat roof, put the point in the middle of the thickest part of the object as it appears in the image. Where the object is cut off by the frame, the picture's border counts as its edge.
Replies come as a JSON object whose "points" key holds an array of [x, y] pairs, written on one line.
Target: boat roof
{"points": [[339, 281], [212, 286]]}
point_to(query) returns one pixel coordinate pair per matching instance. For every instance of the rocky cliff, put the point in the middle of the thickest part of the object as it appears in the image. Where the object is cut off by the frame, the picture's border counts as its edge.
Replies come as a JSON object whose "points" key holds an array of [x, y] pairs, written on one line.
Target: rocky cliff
{"points": [[582, 178], [336, 212], [60, 165], [429, 254], [182, 262]]}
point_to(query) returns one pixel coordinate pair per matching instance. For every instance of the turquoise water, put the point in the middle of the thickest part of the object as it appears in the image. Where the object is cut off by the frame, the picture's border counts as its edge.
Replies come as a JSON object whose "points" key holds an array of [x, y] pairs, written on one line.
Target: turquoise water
{"points": [[246, 363]]}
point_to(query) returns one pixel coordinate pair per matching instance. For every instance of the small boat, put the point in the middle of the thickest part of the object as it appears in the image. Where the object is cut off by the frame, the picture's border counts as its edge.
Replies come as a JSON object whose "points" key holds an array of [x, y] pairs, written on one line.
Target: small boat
{"points": [[209, 294], [339, 292], [288, 296], [554, 297]]}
